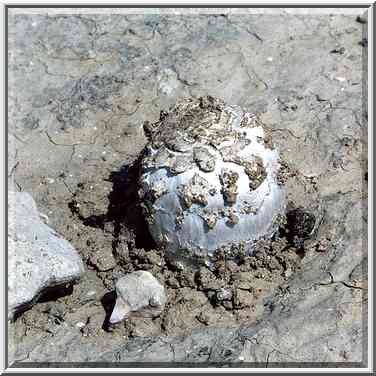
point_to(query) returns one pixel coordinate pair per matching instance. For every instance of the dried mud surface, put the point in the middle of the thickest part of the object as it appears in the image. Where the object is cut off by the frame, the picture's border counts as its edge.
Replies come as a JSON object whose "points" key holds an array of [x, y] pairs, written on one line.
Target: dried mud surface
{"points": [[81, 87]]}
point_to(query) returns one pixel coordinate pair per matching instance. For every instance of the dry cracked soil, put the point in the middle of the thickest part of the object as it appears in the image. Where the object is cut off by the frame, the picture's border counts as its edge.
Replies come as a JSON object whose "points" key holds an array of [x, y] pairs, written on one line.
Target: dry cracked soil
{"points": [[80, 86]]}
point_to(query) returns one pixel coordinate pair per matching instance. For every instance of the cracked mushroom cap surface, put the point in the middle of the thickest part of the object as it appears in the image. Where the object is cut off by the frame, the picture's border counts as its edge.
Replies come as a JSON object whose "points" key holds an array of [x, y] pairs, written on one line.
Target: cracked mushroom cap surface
{"points": [[208, 179]]}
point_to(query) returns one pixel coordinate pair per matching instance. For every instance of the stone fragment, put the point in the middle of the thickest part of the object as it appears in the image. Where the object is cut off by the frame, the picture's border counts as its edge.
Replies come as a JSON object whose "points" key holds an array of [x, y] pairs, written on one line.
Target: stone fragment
{"points": [[38, 257], [138, 292]]}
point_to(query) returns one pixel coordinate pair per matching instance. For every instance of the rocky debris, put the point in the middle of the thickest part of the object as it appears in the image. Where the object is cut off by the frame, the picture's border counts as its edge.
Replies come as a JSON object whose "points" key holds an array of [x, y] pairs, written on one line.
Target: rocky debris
{"points": [[196, 309], [323, 245], [243, 298], [142, 327], [92, 325], [102, 261], [210, 291], [138, 292], [224, 296], [209, 180], [39, 259]]}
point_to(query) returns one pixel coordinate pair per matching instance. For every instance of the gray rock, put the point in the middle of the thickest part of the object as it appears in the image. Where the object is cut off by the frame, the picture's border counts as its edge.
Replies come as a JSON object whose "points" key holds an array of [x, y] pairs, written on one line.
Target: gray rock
{"points": [[138, 292], [38, 257]]}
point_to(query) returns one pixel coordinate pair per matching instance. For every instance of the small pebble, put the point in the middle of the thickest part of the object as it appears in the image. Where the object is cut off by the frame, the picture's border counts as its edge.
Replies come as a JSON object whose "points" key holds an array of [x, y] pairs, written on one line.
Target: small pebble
{"points": [[340, 50], [138, 291], [44, 217]]}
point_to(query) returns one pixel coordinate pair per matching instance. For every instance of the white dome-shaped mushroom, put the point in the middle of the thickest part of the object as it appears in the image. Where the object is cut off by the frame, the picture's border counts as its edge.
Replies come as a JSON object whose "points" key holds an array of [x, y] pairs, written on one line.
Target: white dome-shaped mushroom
{"points": [[209, 179]]}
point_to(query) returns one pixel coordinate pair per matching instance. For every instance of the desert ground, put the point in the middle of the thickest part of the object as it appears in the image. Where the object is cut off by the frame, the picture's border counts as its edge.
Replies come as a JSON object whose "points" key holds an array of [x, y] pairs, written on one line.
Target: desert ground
{"points": [[81, 84]]}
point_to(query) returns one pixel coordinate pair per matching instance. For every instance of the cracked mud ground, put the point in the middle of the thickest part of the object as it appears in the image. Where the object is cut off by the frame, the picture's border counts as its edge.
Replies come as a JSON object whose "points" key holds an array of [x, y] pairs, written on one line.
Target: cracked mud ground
{"points": [[80, 88]]}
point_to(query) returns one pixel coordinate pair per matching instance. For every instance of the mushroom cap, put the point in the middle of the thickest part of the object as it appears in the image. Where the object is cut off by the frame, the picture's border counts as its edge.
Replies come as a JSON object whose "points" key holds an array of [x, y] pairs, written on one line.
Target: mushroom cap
{"points": [[209, 179]]}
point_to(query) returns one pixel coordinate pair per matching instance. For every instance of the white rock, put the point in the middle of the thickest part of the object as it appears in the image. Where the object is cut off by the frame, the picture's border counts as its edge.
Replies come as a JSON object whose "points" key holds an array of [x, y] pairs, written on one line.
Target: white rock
{"points": [[38, 256], [138, 292]]}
